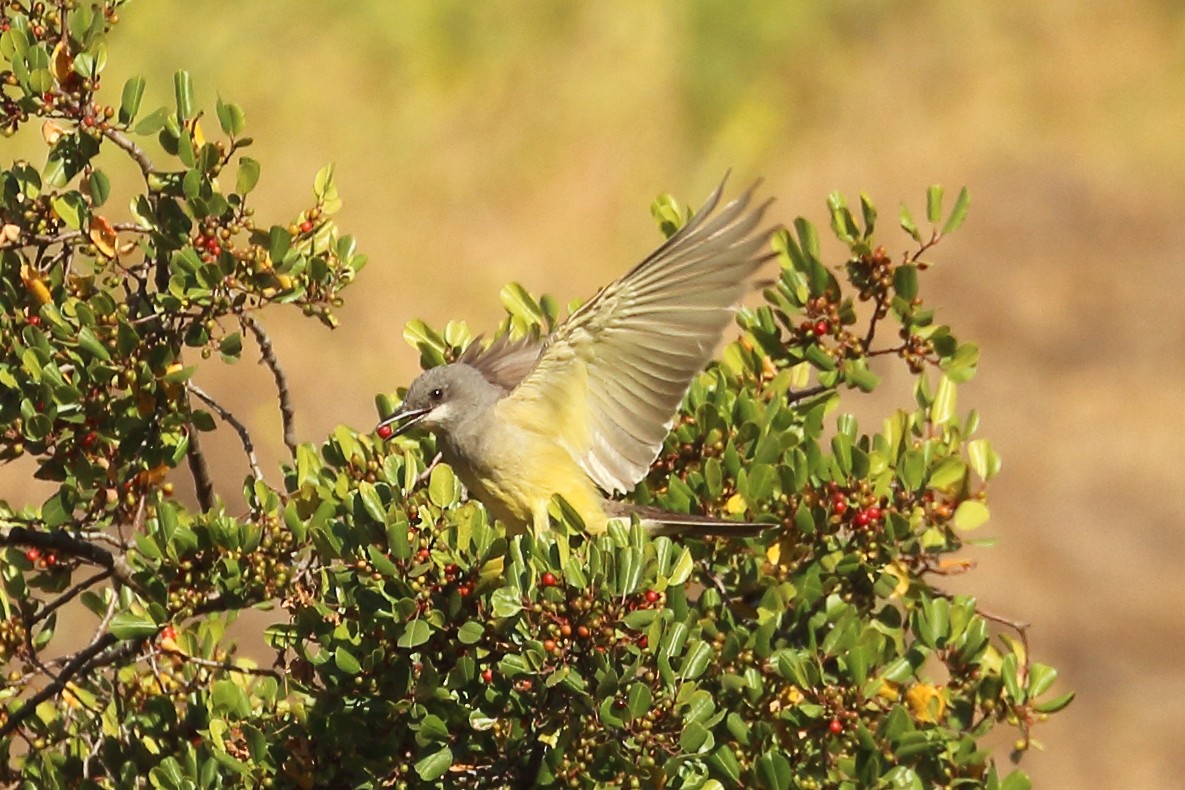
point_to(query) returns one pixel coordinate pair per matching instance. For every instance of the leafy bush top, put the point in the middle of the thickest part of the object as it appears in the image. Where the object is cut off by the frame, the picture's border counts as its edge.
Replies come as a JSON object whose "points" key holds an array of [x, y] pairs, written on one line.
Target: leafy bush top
{"points": [[418, 644]]}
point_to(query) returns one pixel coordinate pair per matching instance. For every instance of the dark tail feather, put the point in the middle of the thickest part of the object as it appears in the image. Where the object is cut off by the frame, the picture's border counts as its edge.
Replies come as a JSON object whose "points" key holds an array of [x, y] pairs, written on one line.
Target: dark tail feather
{"points": [[663, 522]]}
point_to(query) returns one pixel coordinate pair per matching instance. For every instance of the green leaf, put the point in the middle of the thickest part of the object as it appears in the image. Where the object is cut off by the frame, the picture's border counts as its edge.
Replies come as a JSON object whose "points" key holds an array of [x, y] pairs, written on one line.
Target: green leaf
{"points": [[696, 738], [942, 410], [231, 347], [129, 103], [346, 661], [248, 175], [442, 486], [99, 187], [417, 633], [1017, 780], [228, 697], [1055, 704], [71, 208], [934, 204], [130, 625], [230, 118], [471, 632], [908, 225], [183, 90], [153, 122], [682, 568], [639, 701], [773, 771], [959, 212], [970, 514], [506, 602], [435, 765]]}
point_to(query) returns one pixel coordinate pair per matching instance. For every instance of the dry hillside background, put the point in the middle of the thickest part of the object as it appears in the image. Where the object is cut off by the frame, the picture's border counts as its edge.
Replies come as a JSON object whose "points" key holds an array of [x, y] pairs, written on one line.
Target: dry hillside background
{"points": [[481, 143]]}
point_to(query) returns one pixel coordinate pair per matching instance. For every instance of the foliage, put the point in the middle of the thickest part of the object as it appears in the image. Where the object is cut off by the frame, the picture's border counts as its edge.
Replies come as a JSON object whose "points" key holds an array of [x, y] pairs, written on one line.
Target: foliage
{"points": [[419, 643]]}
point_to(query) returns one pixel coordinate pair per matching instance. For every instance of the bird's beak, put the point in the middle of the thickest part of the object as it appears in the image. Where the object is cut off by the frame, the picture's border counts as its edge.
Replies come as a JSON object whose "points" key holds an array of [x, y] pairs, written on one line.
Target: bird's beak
{"points": [[402, 420]]}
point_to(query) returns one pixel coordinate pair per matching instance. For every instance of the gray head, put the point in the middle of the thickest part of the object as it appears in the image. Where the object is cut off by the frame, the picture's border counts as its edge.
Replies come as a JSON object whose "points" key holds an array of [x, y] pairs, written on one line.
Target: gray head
{"points": [[442, 398]]}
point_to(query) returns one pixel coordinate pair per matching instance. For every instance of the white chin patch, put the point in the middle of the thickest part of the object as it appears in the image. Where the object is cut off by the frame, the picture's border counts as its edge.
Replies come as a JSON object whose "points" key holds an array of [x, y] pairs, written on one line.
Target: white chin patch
{"points": [[438, 416]]}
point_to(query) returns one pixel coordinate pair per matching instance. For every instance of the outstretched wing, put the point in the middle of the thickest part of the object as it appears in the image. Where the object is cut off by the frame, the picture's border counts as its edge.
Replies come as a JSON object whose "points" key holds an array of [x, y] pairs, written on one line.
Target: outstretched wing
{"points": [[608, 381], [504, 363]]}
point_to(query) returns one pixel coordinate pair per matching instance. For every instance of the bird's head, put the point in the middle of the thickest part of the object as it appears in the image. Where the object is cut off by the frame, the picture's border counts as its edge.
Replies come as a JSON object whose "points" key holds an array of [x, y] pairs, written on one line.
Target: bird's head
{"points": [[440, 398]]}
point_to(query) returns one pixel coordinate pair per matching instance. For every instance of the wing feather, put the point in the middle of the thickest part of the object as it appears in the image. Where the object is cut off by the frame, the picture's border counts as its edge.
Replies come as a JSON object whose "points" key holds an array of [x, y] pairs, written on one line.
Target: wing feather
{"points": [[608, 381]]}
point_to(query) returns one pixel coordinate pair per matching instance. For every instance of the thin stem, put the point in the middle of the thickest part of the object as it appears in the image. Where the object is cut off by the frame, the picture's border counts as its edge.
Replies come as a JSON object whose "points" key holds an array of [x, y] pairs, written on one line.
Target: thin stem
{"points": [[203, 484], [268, 355], [121, 140], [240, 429]]}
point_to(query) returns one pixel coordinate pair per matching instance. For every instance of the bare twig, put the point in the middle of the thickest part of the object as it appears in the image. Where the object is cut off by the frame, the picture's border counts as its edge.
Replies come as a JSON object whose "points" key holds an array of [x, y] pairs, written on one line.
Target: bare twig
{"points": [[70, 594], [83, 661], [240, 429], [809, 392], [267, 354], [222, 665], [121, 140], [203, 484]]}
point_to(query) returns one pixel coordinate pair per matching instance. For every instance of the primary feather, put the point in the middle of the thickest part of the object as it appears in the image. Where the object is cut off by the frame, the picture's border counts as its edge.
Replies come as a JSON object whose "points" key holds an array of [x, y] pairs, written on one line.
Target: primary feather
{"points": [[607, 383]]}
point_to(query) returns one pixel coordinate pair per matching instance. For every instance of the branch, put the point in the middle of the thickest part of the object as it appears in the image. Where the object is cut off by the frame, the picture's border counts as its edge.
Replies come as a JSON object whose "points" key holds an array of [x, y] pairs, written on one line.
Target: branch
{"points": [[134, 151], [240, 429], [81, 662], [809, 392], [69, 595], [268, 357], [202, 483]]}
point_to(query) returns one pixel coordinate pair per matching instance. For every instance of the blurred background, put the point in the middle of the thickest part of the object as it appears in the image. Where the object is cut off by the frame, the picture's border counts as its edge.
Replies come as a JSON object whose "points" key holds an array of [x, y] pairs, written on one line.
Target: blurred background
{"points": [[481, 143]]}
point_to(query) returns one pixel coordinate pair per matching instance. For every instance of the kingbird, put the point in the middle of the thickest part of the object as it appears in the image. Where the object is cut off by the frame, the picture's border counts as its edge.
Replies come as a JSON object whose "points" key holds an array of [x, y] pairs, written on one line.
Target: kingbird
{"points": [[584, 413]]}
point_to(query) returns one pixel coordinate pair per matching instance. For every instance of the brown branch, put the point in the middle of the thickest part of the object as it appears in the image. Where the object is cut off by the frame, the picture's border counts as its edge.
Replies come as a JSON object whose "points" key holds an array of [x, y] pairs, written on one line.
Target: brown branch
{"points": [[225, 666], [84, 660], [240, 429], [268, 357], [203, 484], [70, 594], [121, 140], [809, 392]]}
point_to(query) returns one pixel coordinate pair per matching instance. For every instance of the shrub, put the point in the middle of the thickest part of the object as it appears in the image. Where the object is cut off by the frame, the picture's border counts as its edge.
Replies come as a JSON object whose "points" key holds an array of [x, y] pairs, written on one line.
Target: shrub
{"points": [[419, 643]]}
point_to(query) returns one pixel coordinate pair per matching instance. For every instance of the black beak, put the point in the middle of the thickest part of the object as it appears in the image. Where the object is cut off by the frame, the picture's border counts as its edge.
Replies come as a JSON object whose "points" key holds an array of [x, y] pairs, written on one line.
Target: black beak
{"points": [[402, 420]]}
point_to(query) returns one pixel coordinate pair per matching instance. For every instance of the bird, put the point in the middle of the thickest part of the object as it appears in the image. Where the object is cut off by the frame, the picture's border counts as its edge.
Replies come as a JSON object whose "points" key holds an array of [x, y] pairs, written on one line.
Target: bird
{"points": [[584, 412]]}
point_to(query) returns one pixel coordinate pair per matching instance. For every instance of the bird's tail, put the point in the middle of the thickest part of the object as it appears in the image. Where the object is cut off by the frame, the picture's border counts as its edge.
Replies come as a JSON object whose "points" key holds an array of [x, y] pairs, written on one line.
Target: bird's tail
{"points": [[663, 522]]}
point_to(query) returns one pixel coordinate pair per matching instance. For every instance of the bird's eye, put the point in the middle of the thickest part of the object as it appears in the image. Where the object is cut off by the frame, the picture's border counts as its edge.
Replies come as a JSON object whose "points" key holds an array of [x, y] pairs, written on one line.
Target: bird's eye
{"points": [[436, 395]]}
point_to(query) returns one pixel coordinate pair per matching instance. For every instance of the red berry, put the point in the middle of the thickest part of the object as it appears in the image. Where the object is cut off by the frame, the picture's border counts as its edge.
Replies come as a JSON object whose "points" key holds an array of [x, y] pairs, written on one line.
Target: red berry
{"points": [[34, 320], [644, 642], [32, 555], [874, 513], [89, 439], [488, 676], [168, 632], [549, 645], [466, 589], [822, 327], [548, 579], [652, 596], [836, 726], [840, 507], [423, 554], [215, 248], [582, 631], [306, 226], [384, 431], [51, 560], [862, 519]]}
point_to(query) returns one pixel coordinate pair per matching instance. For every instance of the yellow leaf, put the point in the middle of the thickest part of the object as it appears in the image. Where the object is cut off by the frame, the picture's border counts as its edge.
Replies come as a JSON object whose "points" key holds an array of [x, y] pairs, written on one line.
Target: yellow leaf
{"points": [[62, 63], [735, 505], [35, 285], [927, 703], [102, 233], [52, 131]]}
